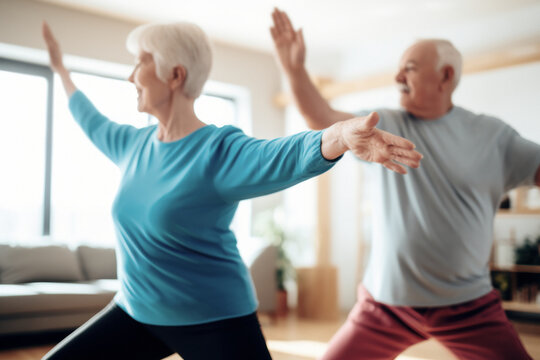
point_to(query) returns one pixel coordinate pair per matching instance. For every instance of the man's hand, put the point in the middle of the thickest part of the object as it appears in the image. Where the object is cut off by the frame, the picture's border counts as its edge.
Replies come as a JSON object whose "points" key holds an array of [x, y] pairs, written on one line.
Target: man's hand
{"points": [[289, 43], [368, 143]]}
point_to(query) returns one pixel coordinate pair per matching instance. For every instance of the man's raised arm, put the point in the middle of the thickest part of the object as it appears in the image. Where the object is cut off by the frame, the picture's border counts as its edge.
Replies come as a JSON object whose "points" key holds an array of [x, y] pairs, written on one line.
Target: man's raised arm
{"points": [[291, 52]]}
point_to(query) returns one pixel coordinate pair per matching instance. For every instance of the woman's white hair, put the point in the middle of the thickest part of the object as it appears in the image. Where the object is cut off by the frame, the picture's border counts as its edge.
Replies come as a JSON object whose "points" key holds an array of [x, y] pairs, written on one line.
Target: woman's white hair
{"points": [[173, 44]]}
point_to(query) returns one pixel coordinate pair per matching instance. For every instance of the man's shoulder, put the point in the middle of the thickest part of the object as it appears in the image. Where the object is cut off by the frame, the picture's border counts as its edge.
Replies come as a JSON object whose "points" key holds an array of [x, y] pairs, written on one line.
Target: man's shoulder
{"points": [[479, 119], [483, 127]]}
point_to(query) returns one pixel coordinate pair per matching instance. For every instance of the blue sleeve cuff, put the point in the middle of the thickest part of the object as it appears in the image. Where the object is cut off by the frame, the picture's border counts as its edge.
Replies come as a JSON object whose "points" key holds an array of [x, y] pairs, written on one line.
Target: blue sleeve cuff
{"points": [[316, 162]]}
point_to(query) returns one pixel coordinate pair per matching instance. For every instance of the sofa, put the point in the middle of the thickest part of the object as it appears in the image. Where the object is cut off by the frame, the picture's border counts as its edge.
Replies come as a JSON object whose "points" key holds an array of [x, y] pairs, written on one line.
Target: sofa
{"points": [[55, 288]]}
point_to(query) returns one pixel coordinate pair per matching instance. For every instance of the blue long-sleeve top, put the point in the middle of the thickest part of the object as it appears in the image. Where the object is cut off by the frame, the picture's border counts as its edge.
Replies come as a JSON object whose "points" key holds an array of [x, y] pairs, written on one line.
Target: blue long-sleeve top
{"points": [[178, 263]]}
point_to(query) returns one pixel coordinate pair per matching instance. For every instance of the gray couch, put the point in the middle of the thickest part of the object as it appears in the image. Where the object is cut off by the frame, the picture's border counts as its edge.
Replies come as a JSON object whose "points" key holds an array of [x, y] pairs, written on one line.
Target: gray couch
{"points": [[48, 288]]}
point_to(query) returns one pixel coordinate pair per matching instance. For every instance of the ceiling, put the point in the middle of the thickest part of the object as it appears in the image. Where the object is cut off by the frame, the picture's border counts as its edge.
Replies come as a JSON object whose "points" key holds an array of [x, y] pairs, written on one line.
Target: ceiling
{"points": [[343, 37]]}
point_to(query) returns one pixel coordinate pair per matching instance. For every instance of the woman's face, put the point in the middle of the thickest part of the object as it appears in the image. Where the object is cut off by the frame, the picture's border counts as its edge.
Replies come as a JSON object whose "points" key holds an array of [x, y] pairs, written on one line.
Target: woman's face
{"points": [[153, 94]]}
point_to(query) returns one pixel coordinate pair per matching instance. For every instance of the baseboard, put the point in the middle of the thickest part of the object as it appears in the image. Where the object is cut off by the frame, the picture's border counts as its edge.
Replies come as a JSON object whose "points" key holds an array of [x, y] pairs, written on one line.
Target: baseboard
{"points": [[12, 341]]}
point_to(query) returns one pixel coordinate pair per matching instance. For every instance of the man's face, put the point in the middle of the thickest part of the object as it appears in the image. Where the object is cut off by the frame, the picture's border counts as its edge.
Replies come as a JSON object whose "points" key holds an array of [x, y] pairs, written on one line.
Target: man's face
{"points": [[417, 79]]}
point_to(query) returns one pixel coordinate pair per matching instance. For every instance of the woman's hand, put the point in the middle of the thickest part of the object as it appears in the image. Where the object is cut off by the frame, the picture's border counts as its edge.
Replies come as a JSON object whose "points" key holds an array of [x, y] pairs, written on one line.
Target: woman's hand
{"points": [[55, 56], [289, 43], [368, 143]]}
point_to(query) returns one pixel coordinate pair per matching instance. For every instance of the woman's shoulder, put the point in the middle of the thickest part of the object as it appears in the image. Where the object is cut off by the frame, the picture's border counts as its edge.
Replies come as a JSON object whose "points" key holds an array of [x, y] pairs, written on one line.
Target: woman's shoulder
{"points": [[226, 133], [227, 130]]}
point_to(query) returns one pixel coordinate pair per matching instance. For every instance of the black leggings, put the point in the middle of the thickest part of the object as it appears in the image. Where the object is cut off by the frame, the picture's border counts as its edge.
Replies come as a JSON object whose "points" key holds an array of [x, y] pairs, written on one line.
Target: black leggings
{"points": [[113, 334]]}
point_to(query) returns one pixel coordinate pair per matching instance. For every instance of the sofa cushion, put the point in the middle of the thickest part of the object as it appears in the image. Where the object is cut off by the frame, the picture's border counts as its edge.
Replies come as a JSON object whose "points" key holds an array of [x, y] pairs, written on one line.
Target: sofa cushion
{"points": [[97, 263], [19, 264], [55, 298]]}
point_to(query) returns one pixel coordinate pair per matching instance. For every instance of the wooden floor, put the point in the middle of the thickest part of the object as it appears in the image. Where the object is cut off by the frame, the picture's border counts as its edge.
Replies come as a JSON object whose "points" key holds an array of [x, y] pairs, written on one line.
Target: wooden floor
{"points": [[298, 339]]}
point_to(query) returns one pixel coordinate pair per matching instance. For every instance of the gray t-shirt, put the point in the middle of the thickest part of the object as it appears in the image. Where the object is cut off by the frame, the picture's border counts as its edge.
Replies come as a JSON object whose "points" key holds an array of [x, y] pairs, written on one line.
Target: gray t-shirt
{"points": [[433, 228]]}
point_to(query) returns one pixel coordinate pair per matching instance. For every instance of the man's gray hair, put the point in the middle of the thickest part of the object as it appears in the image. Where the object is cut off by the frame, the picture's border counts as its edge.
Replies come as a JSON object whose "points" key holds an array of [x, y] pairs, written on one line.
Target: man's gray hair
{"points": [[173, 44], [449, 55]]}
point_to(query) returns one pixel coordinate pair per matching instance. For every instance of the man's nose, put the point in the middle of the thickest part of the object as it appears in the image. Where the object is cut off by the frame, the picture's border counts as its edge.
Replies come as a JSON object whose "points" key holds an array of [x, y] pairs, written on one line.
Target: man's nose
{"points": [[400, 78]]}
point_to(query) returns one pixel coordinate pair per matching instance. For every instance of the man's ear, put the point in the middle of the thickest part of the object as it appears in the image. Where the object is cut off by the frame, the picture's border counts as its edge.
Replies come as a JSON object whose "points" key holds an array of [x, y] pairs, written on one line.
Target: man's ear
{"points": [[178, 77], [448, 74]]}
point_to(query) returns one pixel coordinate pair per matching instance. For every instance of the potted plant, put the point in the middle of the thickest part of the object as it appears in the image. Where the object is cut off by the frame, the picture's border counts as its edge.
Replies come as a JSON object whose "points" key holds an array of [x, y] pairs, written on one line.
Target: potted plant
{"points": [[528, 253], [269, 227]]}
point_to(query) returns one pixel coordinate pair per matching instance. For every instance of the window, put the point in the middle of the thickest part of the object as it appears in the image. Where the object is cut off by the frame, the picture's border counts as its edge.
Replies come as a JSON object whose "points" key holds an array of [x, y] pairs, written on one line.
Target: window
{"points": [[216, 110], [22, 148], [55, 182]]}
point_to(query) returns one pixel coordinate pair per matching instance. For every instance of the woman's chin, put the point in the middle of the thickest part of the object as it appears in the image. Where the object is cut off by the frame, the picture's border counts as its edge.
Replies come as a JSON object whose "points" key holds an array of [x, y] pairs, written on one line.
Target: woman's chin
{"points": [[140, 107]]}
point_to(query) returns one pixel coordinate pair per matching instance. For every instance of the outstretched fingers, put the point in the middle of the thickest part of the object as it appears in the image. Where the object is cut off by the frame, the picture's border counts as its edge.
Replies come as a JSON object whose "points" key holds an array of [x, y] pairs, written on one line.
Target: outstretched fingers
{"points": [[406, 161], [50, 41], [53, 48], [399, 151], [390, 165], [279, 24], [300, 37], [397, 141], [408, 157], [286, 21], [282, 24]]}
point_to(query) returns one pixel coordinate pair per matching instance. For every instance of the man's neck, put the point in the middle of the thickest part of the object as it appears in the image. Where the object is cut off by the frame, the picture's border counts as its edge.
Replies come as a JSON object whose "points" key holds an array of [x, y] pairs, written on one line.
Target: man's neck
{"points": [[432, 113]]}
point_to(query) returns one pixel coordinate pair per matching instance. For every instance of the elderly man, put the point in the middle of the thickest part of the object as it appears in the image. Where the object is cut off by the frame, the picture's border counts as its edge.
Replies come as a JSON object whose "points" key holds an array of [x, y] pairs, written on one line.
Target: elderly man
{"points": [[428, 276]]}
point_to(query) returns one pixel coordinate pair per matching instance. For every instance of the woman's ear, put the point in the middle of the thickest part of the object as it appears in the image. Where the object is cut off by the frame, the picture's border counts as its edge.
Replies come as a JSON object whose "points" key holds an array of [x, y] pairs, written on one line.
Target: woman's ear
{"points": [[178, 77]]}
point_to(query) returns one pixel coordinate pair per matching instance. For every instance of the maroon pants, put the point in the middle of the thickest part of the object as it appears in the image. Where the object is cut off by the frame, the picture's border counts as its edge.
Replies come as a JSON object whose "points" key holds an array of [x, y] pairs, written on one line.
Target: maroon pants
{"points": [[478, 329]]}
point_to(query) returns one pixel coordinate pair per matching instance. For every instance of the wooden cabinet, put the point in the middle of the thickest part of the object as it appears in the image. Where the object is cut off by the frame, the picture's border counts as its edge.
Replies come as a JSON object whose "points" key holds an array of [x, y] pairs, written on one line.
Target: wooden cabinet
{"points": [[519, 284]]}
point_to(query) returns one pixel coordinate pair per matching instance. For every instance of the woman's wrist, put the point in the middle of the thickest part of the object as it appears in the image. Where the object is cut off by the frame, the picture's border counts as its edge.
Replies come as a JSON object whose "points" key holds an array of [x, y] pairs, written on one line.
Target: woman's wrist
{"points": [[69, 86], [332, 141]]}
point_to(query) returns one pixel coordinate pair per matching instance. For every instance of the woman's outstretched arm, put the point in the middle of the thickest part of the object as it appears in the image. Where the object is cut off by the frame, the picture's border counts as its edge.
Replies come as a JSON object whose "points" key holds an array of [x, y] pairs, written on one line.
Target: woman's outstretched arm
{"points": [[248, 167], [360, 136]]}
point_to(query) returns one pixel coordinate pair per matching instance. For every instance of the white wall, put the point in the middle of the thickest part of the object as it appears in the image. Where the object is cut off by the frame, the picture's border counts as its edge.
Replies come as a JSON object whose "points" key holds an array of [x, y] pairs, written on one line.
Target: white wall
{"points": [[511, 94], [103, 38]]}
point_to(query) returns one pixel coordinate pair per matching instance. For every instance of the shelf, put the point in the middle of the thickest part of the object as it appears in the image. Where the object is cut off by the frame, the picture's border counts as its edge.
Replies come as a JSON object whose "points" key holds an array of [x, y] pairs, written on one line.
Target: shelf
{"points": [[521, 306], [533, 269], [504, 212]]}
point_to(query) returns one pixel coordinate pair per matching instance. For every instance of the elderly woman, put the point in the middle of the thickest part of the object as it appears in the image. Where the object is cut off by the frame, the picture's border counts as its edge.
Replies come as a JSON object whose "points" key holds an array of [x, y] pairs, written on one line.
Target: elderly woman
{"points": [[184, 287]]}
